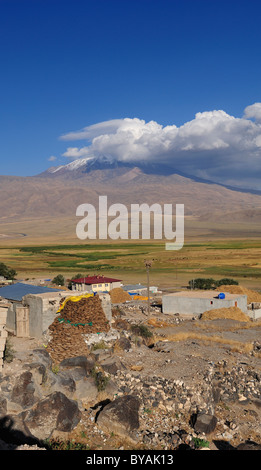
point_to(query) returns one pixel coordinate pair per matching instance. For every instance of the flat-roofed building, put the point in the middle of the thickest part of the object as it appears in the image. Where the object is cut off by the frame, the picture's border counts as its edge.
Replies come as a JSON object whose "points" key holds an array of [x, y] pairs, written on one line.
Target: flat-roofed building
{"points": [[197, 302]]}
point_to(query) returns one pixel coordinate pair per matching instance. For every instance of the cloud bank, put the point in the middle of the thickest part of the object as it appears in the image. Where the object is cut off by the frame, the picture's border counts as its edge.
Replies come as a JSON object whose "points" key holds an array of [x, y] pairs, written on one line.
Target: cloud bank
{"points": [[214, 145]]}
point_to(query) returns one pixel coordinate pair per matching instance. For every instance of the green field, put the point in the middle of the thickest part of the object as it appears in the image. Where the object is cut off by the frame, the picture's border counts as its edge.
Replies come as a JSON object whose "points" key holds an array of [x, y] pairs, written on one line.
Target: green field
{"points": [[239, 259]]}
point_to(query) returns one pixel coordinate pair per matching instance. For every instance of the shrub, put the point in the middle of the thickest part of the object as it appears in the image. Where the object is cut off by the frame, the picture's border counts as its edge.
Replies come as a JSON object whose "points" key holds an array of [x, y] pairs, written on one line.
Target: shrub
{"points": [[7, 272], [199, 443], [141, 330], [8, 352], [58, 280], [58, 444], [226, 281], [203, 283], [101, 380], [209, 283]]}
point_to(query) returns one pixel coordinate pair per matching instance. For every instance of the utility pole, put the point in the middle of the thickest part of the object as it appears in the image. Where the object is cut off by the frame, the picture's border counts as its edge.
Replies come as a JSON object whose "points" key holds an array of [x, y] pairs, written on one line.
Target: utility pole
{"points": [[148, 265]]}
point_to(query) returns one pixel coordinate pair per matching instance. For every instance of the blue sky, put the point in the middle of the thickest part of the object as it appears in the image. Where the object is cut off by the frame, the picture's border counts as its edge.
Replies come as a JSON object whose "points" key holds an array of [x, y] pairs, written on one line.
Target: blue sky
{"points": [[69, 64]]}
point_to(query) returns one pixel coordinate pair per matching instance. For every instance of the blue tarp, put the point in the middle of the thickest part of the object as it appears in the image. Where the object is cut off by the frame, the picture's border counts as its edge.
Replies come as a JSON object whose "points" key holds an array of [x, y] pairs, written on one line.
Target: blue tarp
{"points": [[18, 290]]}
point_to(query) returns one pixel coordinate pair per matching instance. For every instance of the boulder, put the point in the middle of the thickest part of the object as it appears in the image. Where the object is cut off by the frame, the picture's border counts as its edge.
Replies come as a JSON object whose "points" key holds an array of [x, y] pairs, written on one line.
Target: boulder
{"points": [[101, 354], [38, 371], [249, 445], [205, 423], [14, 431], [23, 390], [120, 416], [43, 357], [112, 365], [62, 382], [55, 412], [86, 392], [3, 406], [79, 362], [123, 344]]}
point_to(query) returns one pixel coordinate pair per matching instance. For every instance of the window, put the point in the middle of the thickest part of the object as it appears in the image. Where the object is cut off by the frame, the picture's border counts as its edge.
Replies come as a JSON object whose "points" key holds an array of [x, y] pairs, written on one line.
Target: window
{"points": [[99, 285], [94, 285], [106, 285]]}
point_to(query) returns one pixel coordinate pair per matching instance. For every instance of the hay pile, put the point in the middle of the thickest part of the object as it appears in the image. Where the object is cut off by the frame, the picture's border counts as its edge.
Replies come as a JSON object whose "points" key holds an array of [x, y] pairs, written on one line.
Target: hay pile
{"points": [[76, 319], [252, 296], [118, 295], [232, 313]]}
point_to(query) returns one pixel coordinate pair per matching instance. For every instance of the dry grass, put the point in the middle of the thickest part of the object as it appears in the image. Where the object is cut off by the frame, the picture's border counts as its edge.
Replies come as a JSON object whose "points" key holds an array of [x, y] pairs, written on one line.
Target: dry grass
{"points": [[236, 346], [157, 323], [238, 326]]}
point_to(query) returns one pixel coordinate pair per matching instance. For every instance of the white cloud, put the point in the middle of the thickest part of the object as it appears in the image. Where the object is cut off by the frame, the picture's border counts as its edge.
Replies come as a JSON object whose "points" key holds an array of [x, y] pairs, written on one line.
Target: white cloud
{"points": [[254, 111], [52, 158], [213, 145], [94, 130]]}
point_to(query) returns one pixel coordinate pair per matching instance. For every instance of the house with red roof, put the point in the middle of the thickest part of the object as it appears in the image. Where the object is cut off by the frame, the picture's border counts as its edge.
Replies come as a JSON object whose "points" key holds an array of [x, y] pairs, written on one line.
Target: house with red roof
{"points": [[95, 283]]}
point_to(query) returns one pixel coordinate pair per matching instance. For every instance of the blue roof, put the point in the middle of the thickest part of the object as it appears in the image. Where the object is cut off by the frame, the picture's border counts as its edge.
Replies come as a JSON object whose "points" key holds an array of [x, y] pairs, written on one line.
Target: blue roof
{"points": [[18, 290]]}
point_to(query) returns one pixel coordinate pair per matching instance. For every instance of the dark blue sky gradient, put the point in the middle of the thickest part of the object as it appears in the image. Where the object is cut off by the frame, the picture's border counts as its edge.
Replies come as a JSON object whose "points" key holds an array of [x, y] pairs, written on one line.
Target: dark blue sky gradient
{"points": [[67, 64]]}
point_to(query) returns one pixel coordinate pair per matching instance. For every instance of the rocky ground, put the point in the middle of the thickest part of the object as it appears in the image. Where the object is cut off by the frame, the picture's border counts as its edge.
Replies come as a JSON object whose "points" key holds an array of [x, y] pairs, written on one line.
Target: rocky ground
{"points": [[187, 384]]}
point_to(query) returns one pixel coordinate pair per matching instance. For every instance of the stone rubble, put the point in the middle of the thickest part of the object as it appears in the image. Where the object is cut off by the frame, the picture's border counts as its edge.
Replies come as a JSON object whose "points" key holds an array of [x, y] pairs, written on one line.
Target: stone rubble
{"points": [[219, 408]]}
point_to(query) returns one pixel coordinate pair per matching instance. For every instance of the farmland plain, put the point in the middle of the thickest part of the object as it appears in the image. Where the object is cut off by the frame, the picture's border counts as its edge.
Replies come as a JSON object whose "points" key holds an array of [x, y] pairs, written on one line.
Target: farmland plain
{"points": [[239, 259]]}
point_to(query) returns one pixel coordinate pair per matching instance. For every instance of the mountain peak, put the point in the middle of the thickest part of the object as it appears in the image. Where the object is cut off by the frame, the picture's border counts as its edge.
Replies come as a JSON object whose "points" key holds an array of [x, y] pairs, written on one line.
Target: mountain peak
{"points": [[84, 165], [109, 168]]}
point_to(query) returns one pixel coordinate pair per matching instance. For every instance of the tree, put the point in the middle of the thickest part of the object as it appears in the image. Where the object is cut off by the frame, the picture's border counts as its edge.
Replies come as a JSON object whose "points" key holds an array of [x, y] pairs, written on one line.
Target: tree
{"points": [[202, 283], [209, 283], [8, 273], [77, 276], [58, 280], [226, 281]]}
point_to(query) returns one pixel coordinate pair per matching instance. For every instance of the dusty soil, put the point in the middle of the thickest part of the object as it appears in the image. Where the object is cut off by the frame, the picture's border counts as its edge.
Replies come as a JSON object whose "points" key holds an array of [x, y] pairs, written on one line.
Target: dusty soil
{"points": [[184, 350]]}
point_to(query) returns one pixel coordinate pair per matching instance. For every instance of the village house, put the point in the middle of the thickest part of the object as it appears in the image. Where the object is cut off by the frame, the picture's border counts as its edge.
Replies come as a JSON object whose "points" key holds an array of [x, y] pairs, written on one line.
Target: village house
{"points": [[95, 284]]}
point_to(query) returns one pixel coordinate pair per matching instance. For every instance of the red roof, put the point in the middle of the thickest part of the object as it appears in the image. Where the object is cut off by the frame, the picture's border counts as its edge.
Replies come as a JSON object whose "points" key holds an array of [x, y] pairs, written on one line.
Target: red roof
{"points": [[94, 280]]}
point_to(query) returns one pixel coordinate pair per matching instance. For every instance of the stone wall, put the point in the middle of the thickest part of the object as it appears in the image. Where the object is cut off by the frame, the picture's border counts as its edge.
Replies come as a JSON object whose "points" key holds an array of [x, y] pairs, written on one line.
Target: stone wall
{"points": [[3, 333], [33, 316]]}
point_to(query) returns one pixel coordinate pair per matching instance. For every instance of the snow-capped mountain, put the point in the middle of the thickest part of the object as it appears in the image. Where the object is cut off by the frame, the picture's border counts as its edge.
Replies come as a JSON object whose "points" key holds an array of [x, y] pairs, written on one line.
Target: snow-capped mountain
{"points": [[109, 168], [84, 165]]}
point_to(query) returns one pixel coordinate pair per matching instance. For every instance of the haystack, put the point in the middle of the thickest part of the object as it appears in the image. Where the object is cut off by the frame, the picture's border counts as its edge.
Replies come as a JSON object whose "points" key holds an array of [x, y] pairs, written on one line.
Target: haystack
{"points": [[252, 296], [232, 313], [118, 295], [76, 319]]}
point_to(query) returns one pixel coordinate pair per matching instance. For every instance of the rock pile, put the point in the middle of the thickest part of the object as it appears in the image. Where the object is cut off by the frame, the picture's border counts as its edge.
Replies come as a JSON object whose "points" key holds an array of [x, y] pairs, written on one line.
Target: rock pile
{"points": [[147, 410], [129, 388], [171, 406], [35, 402]]}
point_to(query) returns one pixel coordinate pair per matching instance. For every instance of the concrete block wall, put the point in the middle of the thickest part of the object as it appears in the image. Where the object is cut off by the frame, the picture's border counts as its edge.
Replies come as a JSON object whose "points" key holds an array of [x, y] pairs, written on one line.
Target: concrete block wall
{"points": [[189, 305], [254, 310], [3, 333]]}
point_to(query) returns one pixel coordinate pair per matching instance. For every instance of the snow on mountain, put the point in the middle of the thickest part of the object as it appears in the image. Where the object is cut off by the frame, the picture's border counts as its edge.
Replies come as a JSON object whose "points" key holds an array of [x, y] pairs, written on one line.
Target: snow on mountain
{"points": [[84, 164], [72, 165]]}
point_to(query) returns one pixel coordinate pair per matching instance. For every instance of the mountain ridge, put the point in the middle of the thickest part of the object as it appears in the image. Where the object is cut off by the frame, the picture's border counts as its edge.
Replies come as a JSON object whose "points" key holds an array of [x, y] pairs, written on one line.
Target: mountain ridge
{"points": [[80, 167], [47, 202]]}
